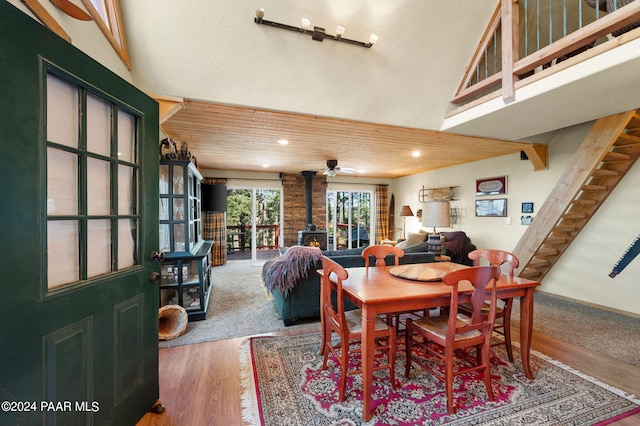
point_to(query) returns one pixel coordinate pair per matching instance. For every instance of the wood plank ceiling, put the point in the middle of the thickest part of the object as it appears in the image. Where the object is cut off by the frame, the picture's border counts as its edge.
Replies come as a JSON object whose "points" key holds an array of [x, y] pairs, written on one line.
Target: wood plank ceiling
{"points": [[224, 137]]}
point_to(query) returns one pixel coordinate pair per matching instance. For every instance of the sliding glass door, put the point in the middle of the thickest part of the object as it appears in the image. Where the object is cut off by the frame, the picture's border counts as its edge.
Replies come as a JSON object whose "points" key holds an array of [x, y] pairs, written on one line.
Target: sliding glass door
{"points": [[253, 223], [349, 219]]}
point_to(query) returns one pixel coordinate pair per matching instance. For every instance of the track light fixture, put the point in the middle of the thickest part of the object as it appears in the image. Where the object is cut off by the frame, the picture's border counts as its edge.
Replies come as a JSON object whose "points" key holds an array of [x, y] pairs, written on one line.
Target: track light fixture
{"points": [[316, 33]]}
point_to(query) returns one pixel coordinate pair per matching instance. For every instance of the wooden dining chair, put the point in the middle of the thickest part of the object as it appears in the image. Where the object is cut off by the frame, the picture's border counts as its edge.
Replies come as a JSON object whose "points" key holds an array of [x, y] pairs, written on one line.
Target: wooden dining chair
{"points": [[380, 253], [348, 326], [453, 332], [502, 324]]}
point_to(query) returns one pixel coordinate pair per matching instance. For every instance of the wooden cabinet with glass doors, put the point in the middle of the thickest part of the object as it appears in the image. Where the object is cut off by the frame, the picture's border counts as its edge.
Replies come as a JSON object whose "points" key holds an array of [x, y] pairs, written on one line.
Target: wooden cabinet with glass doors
{"points": [[186, 268], [185, 280]]}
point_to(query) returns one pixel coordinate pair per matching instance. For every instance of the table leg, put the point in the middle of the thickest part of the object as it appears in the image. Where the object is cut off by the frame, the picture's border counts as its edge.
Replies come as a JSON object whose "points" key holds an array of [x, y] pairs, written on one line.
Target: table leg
{"points": [[526, 327], [368, 329]]}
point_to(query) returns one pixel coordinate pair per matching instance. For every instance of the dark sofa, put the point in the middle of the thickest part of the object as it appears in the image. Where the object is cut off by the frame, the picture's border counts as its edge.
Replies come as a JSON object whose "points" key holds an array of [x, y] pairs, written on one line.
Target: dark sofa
{"points": [[303, 300]]}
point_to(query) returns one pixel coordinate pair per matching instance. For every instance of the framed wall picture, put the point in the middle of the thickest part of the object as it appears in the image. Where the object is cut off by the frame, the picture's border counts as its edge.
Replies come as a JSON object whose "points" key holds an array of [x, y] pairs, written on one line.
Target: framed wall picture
{"points": [[491, 186], [527, 207], [496, 207]]}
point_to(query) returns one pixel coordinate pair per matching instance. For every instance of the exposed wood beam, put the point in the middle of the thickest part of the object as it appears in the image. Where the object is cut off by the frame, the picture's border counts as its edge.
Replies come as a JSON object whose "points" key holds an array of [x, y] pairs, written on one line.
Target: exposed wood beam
{"points": [[538, 155], [41, 13], [169, 105]]}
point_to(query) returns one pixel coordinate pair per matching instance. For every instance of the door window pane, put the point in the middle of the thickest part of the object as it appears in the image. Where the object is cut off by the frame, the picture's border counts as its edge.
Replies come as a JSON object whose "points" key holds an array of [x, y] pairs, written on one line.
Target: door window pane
{"points": [[62, 112], [62, 252], [98, 247], [126, 182], [127, 243], [98, 126], [99, 182], [126, 137], [62, 182]]}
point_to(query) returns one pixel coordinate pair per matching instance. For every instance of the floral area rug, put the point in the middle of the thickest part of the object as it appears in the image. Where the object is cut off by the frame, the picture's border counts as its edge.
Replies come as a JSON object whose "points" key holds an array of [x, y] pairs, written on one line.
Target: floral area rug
{"points": [[284, 384]]}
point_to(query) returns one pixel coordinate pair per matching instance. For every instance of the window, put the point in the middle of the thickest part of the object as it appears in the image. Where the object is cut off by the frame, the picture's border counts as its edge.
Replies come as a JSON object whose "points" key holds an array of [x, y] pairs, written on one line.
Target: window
{"points": [[92, 171], [106, 13]]}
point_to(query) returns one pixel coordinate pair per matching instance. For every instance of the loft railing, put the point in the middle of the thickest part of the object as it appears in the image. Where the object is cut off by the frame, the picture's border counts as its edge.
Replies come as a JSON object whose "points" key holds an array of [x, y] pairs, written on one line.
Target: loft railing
{"points": [[526, 37]]}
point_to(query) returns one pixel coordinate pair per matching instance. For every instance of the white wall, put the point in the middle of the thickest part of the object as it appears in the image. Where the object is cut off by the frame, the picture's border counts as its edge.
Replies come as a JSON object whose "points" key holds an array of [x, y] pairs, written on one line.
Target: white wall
{"points": [[582, 271]]}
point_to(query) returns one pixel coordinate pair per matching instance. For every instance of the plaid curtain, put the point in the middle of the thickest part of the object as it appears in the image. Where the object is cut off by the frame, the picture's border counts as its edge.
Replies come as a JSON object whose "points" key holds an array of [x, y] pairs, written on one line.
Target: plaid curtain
{"points": [[382, 213], [214, 227]]}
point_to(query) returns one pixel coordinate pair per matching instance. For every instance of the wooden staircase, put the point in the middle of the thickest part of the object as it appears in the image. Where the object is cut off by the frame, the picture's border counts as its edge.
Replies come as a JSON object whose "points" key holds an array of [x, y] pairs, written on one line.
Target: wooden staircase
{"points": [[607, 153]]}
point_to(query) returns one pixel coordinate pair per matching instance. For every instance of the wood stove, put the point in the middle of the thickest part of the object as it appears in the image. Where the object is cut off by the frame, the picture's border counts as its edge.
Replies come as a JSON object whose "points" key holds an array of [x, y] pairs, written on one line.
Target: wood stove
{"points": [[311, 236], [313, 239]]}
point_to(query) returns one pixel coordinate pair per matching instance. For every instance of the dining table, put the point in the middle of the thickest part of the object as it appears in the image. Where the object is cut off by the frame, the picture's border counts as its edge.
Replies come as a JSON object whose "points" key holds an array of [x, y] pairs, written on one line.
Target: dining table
{"points": [[414, 287]]}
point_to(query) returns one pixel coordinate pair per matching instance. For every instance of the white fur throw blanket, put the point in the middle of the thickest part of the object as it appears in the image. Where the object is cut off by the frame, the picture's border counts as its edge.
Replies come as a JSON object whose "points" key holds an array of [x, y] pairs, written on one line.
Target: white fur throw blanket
{"points": [[282, 273]]}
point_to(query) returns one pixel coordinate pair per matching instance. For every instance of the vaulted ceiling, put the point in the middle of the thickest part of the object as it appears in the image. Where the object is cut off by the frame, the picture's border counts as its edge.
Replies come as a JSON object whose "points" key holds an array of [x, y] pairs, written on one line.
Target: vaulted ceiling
{"points": [[242, 86]]}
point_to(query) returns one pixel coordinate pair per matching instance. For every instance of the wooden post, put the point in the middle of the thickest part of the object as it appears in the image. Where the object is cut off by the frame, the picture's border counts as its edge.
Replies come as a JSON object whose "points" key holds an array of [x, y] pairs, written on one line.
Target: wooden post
{"points": [[510, 28]]}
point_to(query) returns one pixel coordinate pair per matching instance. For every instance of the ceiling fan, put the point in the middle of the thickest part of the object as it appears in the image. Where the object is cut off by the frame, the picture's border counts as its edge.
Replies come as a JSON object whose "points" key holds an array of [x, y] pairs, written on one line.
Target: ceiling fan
{"points": [[333, 169]]}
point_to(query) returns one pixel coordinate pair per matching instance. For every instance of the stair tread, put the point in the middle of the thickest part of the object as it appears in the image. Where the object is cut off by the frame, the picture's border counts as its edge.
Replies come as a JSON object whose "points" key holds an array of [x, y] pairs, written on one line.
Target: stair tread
{"points": [[627, 138], [616, 156], [539, 262], [575, 215], [585, 202], [605, 172], [594, 188]]}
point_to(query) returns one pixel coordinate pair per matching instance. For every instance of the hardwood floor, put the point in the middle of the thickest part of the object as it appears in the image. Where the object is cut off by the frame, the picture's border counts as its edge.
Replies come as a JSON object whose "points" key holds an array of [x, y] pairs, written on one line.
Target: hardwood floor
{"points": [[200, 385]]}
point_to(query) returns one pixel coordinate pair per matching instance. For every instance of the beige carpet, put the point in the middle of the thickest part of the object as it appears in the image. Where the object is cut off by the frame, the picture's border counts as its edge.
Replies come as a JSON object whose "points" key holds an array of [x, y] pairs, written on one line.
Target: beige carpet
{"points": [[602, 331], [239, 306]]}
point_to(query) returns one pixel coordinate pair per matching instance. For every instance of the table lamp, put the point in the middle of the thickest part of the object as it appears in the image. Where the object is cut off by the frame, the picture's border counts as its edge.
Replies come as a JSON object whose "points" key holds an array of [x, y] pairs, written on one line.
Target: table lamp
{"points": [[434, 214]]}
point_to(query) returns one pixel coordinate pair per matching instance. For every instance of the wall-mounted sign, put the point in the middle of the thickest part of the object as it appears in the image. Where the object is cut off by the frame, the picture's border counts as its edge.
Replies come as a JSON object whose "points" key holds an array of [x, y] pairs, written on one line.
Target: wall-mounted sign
{"points": [[491, 186]]}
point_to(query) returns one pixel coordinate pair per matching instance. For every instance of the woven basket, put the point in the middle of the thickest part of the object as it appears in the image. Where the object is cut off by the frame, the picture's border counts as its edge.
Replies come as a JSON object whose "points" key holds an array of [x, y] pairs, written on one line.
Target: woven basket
{"points": [[173, 321]]}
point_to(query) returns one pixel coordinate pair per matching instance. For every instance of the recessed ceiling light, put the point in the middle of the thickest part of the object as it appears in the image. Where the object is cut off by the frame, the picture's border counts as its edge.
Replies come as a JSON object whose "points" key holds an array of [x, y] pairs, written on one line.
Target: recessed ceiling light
{"points": [[415, 154], [283, 141], [265, 165]]}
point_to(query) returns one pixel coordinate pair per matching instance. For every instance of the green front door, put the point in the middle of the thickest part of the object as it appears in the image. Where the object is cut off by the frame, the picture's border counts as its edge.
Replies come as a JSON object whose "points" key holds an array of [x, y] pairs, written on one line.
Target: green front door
{"points": [[78, 221]]}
